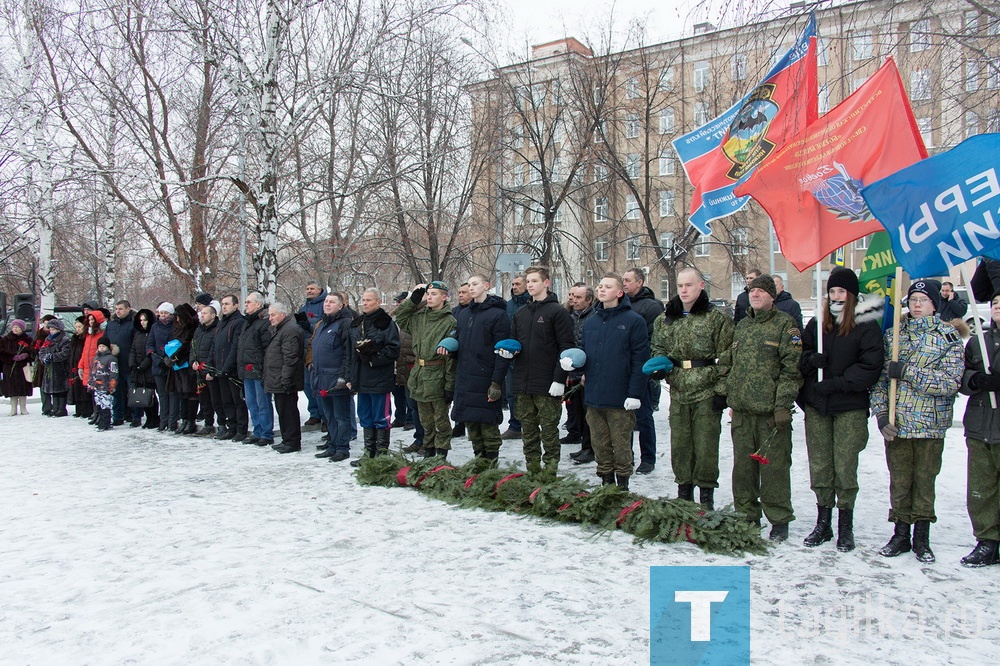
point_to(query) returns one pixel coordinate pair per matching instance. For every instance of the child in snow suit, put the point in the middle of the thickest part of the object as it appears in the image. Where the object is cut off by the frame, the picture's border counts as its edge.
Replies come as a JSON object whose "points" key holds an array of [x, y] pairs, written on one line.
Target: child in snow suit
{"points": [[103, 380]]}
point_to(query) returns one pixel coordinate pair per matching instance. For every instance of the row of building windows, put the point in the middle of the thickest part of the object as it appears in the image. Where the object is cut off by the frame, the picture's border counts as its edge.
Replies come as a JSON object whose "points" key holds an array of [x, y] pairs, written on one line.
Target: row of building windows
{"points": [[739, 245]]}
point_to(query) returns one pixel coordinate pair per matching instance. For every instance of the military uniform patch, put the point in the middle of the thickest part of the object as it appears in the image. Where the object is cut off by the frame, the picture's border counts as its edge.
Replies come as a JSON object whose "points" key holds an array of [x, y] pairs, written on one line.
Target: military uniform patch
{"points": [[796, 337]]}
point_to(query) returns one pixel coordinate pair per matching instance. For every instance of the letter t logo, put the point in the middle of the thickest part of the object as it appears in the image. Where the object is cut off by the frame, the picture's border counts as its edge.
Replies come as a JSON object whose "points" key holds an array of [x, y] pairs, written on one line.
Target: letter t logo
{"points": [[701, 610]]}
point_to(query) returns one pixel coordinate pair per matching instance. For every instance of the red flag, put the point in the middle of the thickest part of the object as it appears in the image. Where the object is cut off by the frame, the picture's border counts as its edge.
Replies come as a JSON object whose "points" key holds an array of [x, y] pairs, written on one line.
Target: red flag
{"points": [[810, 187]]}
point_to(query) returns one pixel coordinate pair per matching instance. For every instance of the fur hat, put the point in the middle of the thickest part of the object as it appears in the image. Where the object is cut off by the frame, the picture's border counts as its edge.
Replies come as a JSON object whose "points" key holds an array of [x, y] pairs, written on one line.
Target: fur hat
{"points": [[104, 340], [765, 282], [930, 288], [844, 278], [204, 298], [55, 323], [166, 307]]}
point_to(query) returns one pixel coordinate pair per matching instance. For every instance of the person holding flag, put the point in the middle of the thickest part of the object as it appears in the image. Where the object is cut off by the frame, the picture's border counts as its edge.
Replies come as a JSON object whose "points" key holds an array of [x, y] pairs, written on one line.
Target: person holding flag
{"points": [[925, 378]]}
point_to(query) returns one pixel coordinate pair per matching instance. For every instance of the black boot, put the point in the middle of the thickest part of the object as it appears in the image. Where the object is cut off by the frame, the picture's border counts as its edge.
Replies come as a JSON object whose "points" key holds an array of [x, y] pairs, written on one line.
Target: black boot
{"points": [[181, 427], [707, 497], [492, 458], [845, 530], [59, 410], [190, 429], [382, 442], [779, 532], [899, 543], [428, 452], [586, 456], [608, 479], [822, 532], [622, 483], [371, 443], [921, 541], [93, 417], [984, 554], [685, 491], [104, 419]]}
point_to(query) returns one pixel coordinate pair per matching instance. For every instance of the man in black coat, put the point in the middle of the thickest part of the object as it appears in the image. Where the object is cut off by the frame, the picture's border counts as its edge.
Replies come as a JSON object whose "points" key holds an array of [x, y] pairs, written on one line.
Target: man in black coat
{"points": [[786, 303], [743, 300], [250, 364], [121, 330], [227, 338], [210, 394], [953, 306], [284, 375], [581, 303], [480, 373], [645, 303]]}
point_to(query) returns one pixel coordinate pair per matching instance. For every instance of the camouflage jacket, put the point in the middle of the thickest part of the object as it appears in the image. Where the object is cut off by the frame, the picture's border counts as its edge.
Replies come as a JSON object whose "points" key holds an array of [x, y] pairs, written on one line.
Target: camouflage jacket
{"points": [[428, 328], [704, 334], [765, 363], [935, 360]]}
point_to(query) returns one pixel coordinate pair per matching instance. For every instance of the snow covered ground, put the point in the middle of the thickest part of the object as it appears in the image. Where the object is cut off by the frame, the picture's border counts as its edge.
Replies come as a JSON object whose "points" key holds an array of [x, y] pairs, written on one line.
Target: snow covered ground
{"points": [[134, 547]]}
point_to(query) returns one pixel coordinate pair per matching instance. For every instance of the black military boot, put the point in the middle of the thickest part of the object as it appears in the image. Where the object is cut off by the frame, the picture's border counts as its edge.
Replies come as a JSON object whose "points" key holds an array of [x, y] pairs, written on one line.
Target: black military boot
{"points": [[707, 497], [493, 458], [779, 532], [922, 541], [686, 492], [181, 426], [845, 530], [608, 479], [984, 554], [370, 445], [382, 442], [822, 532], [190, 429], [622, 482], [899, 543]]}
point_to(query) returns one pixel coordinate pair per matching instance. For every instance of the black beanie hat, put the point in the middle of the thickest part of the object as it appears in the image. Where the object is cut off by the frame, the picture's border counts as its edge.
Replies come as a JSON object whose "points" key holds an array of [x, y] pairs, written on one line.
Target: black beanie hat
{"points": [[104, 340], [929, 288], [204, 298], [844, 278]]}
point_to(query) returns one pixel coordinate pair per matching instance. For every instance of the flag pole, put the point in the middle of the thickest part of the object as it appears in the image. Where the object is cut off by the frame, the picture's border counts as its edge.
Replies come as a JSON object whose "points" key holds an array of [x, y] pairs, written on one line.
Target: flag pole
{"points": [[896, 315], [820, 312], [980, 334]]}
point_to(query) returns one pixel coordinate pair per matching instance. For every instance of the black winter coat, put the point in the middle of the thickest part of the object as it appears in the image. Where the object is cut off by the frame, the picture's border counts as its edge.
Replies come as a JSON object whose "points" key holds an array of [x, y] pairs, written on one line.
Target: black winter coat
{"points": [[854, 362], [227, 339], [981, 420], [789, 306], [256, 334], [331, 352], [617, 346], [204, 346], [544, 329], [181, 377], [140, 362], [646, 305], [77, 389], [54, 356], [375, 373], [159, 335], [121, 332], [285, 358], [480, 327]]}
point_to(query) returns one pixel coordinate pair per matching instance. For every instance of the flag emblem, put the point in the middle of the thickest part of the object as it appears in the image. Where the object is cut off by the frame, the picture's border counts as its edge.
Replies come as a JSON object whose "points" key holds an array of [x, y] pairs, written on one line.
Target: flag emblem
{"points": [[747, 146], [841, 195]]}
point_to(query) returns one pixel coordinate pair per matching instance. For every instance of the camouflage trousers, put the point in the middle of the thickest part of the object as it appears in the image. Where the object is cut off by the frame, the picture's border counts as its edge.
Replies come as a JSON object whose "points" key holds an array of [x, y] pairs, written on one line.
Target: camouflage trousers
{"points": [[437, 426], [913, 467], [485, 437], [758, 487], [694, 443], [834, 443], [983, 495], [539, 416], [611, 436]]}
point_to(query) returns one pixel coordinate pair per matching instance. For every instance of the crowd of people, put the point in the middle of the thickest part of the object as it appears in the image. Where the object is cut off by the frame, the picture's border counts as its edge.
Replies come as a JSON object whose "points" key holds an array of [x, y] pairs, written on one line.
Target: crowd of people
{"points": [[210, 369]]}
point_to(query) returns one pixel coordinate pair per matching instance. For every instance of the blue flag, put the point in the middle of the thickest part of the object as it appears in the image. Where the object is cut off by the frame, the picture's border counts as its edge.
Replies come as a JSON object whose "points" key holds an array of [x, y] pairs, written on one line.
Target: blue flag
{"points": [[944, 210]]}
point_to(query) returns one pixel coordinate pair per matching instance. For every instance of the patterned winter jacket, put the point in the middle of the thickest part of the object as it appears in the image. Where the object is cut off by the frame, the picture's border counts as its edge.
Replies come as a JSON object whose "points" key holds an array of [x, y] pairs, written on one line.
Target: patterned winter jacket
{"points": [[103, 373], [765, 373], [705, 335], [935, 360]]}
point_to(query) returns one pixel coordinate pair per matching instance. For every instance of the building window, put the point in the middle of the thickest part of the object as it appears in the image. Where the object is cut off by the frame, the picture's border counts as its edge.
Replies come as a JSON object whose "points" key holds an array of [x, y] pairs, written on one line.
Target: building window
{"points": [[971, 75], [993, 74], [824, 99], [664, 287], [600, 131], [632, 89], [633, 248], [741, 241], [702, 247], [739, 66], [667, 120], [700, 76], [707, 277], [601, 249], [971, 124], [632, 165], [517, 173], [632, 126], [534, 172], [822, 45], [667, 207], [861, 45], [926, 131], [538, 95], [600, 173], [861, 243], [631, 208], [601, 209], [971, 22], [993, 121], [667, 242], [920, 84], [560, 215], [667, 163], [857, 83], [737, 284], [666, 82], [701, 113], [920, 36]]}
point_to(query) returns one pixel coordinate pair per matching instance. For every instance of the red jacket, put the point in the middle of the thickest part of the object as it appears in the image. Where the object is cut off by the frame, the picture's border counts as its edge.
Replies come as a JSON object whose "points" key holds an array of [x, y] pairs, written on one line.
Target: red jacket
{"points": [[90, 347]]}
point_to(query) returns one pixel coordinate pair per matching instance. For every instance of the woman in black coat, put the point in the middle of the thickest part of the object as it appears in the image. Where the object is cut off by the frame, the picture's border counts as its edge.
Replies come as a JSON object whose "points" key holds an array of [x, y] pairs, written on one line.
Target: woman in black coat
{"points": [[81, 399], [182, 380], [836, 409], [141, 365], [17, 351]]}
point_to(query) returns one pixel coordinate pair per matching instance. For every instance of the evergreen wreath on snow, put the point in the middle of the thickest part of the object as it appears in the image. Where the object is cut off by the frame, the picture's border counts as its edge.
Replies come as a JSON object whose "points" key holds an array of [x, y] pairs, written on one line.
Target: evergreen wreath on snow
{"points": [[569, 500]]}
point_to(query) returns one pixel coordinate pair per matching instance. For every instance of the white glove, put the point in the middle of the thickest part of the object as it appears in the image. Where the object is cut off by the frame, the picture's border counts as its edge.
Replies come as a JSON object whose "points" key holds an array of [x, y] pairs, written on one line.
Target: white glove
{"points": [[505, 354], [566, 363], [632, 404], [556, 389]]}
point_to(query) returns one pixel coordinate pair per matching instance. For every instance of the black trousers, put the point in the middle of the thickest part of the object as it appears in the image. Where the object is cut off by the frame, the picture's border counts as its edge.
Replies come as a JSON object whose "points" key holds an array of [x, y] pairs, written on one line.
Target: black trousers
{"points": [[287, 406], [576, 415], [234, 406], [211, 402]]}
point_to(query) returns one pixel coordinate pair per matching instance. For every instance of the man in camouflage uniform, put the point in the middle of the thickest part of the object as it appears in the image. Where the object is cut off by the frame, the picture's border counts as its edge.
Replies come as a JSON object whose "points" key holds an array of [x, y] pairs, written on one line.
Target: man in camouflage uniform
{"points": [[928, 375], [698, 340], [432, 380], [761, 388]]}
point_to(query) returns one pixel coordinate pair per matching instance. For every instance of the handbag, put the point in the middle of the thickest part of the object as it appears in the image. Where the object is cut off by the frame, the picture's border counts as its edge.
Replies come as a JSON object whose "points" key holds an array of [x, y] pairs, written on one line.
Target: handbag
{"points": [[29, 372], [140, 397]]}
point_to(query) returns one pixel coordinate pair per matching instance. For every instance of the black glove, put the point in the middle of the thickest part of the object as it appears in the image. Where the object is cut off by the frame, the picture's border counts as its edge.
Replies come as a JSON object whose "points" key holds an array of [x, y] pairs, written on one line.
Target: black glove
{"points": [[145, 364], [417, 295], [832, 385], [495, 392], [449, 396], [719, 403], [658, 375], [895, 369], [366, 347], [888, 430], [818, 360], [982, 381]]}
